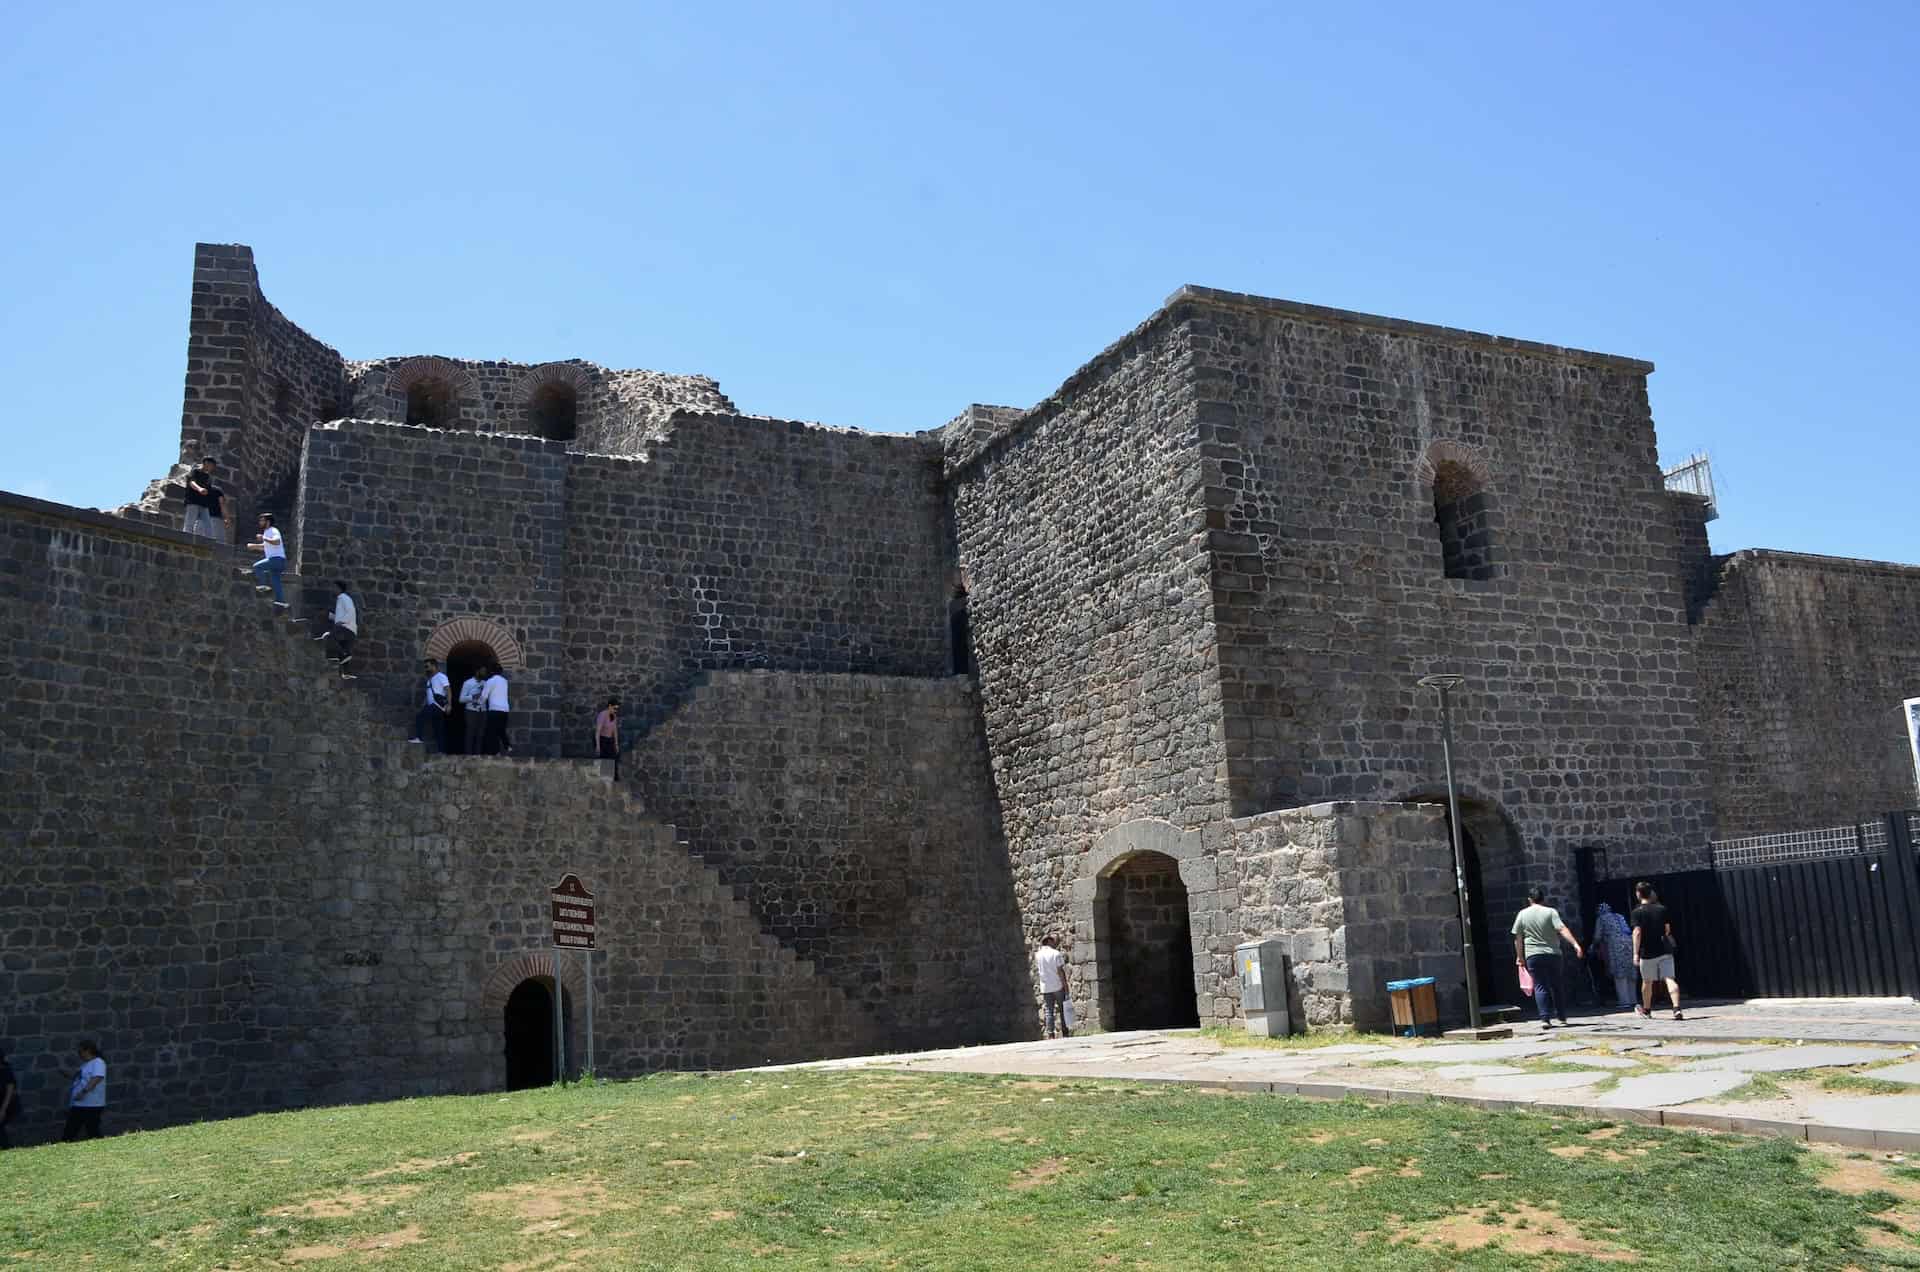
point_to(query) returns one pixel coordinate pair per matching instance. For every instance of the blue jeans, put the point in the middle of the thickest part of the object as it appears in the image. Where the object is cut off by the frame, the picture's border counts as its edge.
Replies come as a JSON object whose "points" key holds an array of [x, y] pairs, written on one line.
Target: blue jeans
{"points": [[269, 570], [1549, 985]]}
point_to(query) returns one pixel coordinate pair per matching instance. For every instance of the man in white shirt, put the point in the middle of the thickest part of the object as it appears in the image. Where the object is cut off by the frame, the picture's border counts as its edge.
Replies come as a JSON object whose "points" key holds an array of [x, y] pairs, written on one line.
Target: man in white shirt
{"points": [[87, 1101], [494, 691], [1051, 965], [272, 563], [343, 625], [473, 705], [432, 716]]}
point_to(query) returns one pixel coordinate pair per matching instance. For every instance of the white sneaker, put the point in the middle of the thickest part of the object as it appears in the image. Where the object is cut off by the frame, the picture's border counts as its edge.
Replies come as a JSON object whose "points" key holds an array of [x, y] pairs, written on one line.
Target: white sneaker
{"points": [[414, 742], [261, 587], [281, 605]]}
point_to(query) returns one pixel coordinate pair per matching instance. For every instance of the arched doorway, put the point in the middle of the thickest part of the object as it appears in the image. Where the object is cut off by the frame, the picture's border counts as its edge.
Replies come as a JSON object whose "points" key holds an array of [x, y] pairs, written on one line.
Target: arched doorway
{"points": [[462, 645], [529, 1033], [1494, 867], [463, 660], [1150, 944]]}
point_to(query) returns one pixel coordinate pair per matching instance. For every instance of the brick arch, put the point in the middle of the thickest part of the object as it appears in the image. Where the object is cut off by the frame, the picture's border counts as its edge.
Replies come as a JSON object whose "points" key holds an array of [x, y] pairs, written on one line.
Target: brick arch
{"points": [[403, 373], [575, 375], [1445, 452], [458, 631], [536, 966]]}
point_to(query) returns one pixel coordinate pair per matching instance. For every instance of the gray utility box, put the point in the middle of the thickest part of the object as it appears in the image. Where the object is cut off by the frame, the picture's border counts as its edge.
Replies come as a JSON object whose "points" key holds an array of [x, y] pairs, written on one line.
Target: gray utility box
{"points": [[1263, 987]]}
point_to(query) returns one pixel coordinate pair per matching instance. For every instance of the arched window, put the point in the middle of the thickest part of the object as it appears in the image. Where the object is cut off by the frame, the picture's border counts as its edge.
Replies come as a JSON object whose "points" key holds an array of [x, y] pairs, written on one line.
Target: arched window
{"points": [[555, 411], [1463, 514], [430, 402]]}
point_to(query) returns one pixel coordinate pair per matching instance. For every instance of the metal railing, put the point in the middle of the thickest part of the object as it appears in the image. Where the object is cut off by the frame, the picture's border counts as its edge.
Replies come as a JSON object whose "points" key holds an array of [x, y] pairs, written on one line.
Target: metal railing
{"points": [[1801, 845]]}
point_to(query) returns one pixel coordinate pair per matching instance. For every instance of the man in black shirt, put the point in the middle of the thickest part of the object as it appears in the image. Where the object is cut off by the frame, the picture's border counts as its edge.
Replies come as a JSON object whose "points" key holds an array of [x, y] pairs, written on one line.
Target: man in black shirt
{"points": [[1653, 946], [206, 504]]}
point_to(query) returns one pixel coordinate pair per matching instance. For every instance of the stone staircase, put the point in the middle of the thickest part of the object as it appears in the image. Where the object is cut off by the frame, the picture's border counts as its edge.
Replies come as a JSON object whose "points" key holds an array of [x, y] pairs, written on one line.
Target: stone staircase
{"points": [[703, 886]]}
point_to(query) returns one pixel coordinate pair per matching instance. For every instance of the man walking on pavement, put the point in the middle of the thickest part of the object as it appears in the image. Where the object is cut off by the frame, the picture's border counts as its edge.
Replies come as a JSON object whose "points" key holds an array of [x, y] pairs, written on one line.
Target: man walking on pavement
{"points": [[1051, 965], [1653, 947], [1537, 933]]}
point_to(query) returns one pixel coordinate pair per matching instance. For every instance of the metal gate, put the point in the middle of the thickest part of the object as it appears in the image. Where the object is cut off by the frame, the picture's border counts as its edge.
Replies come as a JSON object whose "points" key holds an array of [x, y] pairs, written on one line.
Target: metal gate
{"points": [[1828, 913]]}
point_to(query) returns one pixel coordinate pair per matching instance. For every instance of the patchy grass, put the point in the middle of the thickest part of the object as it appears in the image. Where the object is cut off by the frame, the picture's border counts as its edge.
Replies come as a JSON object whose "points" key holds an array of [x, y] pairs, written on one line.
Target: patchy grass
{"points": [[1865, 1084], [909, 1171], [1295, 1042]]}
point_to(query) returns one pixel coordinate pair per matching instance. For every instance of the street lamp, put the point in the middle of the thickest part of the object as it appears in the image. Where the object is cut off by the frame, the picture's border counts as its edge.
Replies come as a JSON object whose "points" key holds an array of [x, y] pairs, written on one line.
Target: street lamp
{"points": [[1445, 681]]}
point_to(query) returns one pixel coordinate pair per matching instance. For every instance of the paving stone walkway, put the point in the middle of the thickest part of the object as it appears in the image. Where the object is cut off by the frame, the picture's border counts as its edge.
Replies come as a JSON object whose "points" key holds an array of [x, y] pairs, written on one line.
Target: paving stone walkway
{"points": [[1785, 1089]]}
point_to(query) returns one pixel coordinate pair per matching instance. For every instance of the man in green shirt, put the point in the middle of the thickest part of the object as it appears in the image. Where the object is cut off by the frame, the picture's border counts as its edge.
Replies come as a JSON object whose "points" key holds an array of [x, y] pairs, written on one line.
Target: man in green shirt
{"points": [[1537, 933]]}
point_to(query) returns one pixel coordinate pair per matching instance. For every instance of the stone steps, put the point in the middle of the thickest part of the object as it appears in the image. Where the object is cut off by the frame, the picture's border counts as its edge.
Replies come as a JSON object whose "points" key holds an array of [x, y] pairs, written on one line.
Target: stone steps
{"points": [[709, 888]]}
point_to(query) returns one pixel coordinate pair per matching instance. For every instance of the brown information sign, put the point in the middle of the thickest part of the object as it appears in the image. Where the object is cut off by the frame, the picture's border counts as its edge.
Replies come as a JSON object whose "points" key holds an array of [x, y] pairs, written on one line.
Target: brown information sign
{"points": [[572, 914]]}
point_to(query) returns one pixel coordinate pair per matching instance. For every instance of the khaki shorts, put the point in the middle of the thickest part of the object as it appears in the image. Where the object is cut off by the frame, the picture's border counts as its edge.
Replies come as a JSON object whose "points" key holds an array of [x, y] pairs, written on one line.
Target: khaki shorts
{"points": [[1657, 968]]}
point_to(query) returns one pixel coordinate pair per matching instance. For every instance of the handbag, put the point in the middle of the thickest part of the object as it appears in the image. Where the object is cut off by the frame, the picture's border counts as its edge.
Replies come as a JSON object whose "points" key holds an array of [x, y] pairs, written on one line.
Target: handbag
{"points": [[1526, 979], [1066, 1012]]}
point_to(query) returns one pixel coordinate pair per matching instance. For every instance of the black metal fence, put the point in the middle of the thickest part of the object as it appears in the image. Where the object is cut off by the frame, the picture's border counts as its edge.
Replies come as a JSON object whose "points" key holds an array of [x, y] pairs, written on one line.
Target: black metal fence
{"points": [[1811, 914]]}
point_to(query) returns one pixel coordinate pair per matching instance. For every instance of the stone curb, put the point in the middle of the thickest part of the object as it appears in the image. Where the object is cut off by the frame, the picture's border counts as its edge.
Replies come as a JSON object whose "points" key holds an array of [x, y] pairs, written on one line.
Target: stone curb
{"points": [[1674, 1119]]}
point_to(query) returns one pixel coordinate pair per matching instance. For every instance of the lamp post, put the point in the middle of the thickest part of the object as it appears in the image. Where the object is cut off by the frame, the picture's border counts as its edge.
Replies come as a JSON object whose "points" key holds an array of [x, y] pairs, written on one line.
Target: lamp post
{"points": [[1445, 681]]}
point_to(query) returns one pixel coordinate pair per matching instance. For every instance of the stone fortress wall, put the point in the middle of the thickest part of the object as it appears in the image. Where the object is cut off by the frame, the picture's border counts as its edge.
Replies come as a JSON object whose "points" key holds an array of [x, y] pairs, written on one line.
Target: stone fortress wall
{"points": [[735, 542], [1197, 583], [1804, 662], [223, 865]]}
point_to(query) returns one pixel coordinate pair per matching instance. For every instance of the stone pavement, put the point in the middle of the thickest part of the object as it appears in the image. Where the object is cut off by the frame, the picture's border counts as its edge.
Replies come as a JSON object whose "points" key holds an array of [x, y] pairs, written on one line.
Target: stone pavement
{"points": [[1794, 1019], [1752, 1088]]}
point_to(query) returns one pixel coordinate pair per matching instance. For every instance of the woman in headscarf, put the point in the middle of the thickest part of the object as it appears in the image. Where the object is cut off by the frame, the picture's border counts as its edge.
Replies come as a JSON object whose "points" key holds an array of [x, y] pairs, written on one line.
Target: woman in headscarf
{"points": [[1615, 939]]}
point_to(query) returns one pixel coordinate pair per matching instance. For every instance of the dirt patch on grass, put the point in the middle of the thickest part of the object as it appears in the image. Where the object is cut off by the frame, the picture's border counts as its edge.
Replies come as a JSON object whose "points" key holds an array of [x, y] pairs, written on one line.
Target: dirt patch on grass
{"points": [[1038, 1173], [1321, 1137], [532, 1137], [420, 1165], [1569, 1150], [1606, 1133], [1359, 1173], [547, 1205], [308, 1254], [1854, 1177], [1543, 1233], [342, 1204]]}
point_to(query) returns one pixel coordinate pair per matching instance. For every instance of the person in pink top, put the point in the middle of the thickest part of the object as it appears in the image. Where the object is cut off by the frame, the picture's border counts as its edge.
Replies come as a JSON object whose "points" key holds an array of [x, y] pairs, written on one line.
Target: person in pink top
{"points": [[606, 734]]}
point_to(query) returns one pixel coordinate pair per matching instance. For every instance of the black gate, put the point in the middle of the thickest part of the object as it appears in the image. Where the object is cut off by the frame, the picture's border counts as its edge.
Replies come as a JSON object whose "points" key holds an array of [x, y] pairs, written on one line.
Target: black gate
{"points": [[1840, 919]]}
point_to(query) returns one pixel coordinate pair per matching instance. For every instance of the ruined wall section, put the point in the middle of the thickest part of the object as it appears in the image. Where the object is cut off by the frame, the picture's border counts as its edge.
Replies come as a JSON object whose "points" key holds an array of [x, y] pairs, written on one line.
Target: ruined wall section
{"points": [[1091, 614], [257, 897], [254, 382], [1322, 432], [856, 815], [1804, 662], [427, 526], [743, 542], [616, 412]]}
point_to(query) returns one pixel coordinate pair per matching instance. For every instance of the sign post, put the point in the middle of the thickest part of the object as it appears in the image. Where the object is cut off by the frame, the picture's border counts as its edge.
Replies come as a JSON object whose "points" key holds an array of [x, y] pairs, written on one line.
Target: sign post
{"points": [[573, 929]]}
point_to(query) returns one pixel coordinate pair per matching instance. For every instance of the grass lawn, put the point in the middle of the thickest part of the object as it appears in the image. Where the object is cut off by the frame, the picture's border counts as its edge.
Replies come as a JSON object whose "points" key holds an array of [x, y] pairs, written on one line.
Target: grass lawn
{"points": [[872, 1170]]}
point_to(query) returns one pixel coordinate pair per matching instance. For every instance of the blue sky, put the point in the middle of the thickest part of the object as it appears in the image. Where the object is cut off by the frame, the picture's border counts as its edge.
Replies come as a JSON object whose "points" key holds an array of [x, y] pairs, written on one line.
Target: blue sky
{"points": [[874, 214]]}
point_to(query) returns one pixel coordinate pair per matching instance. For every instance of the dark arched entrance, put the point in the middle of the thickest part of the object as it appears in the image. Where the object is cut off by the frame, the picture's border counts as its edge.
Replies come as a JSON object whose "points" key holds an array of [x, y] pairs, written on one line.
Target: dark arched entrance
{"points": [[1150, 944], [463, 660], [1495, 870], [529, 1032]]}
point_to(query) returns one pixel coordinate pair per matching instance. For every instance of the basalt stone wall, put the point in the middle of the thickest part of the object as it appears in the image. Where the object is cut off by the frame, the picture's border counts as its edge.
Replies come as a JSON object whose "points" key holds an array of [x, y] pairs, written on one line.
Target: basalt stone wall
{"points": [[1804, 662], [256, 897], [744, 542], [856, 815], [1091, 613], [615, 412], [1362, 894], [1322, 432], [255, 381], [427, 526]]}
